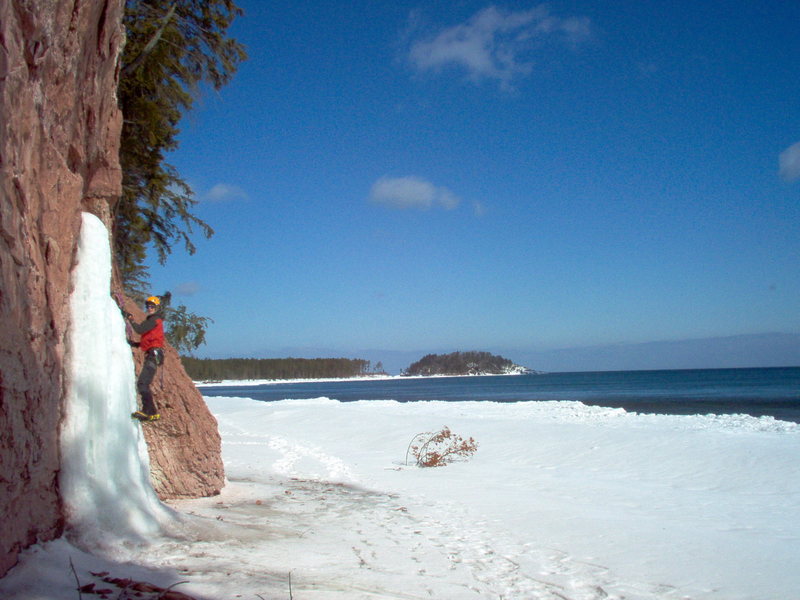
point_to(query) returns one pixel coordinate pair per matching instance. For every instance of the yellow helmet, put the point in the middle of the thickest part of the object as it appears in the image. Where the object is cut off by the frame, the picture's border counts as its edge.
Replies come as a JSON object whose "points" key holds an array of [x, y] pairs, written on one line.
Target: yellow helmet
{"points": [[153, 300]]}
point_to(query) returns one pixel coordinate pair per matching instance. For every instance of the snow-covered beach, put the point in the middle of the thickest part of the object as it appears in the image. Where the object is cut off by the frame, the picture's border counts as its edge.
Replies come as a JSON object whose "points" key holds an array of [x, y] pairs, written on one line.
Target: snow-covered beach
{"points": [[381, 377], [251, 382], [562, 500]]}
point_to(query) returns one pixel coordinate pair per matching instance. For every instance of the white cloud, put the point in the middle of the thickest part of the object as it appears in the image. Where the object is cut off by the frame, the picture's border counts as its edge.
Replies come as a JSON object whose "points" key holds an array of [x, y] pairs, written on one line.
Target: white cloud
{"points": [[187, 288], [789, 162], [223, 192], [495, 43], [411, 192]]}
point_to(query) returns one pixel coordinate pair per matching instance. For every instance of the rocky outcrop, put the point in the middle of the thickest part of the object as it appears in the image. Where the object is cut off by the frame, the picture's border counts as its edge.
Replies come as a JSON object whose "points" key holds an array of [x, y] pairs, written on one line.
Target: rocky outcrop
{"points": [[59, 138], [59, 148], [184, 446]]}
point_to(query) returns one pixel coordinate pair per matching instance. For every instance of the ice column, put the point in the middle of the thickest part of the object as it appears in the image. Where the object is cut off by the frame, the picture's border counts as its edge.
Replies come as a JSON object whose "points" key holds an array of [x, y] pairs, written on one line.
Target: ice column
{"points": [[104, 479]]}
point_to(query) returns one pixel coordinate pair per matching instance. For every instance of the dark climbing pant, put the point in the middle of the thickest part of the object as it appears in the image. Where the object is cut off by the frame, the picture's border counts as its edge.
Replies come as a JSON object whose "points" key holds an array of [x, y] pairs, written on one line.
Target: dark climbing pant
{"points": [[151, 361]]}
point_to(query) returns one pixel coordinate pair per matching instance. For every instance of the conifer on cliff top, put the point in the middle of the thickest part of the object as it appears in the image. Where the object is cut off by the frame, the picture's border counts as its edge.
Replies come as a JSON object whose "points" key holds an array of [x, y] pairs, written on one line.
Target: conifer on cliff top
{"points": [[172, 50]]}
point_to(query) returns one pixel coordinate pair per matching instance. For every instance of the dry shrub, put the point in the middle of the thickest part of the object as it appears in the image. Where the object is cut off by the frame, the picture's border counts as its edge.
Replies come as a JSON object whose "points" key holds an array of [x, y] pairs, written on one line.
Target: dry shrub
{"points": [[440, 448]]}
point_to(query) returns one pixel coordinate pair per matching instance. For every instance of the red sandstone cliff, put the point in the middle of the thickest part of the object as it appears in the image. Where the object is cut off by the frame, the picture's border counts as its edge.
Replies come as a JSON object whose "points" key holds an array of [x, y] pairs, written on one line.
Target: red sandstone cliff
{"points": [[184, 446], [59, 141], [59, 137]]}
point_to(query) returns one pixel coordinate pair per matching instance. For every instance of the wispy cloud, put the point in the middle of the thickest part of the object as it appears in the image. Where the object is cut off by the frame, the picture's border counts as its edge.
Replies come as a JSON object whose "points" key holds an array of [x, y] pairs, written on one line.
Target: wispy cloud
{"points": [[495, 43], [223, 192], [411, 192], [187, 288], [478, 208], [789, 162]]}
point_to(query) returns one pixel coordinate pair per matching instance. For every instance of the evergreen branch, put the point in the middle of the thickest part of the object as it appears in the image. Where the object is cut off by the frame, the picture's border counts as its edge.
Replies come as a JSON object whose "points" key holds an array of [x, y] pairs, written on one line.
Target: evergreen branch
{"points": [[148, 48]]}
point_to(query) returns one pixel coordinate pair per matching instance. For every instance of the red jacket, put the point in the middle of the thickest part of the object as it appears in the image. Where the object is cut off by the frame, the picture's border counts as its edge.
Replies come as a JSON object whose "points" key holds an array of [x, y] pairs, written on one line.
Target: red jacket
{"points": [[151, 331]]}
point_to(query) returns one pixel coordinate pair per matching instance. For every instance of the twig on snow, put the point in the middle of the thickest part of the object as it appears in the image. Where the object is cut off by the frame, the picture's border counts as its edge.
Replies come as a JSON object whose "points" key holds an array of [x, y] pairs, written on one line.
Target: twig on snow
{"points": [[166, 590], [78, 581]]}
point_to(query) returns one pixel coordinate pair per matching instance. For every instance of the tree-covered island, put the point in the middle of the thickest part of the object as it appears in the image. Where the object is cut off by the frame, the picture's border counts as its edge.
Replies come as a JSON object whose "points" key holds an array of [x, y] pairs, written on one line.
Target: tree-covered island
{"points": [[464, 363]]}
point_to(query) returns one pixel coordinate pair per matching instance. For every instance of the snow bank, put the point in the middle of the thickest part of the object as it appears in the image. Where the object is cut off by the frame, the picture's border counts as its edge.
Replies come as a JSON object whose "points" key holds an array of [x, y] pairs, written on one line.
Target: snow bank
{"points": [[561, 499]]}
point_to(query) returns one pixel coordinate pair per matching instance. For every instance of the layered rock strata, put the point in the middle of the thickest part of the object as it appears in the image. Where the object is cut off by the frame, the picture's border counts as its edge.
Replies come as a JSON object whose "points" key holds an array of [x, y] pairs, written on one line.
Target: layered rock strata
{"points": [[59, 138], [59, 149]]}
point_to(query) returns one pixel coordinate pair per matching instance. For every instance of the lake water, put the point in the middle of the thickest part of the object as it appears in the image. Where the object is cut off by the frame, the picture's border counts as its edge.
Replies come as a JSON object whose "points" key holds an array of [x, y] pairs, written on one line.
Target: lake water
{"points": [[757, 392]]}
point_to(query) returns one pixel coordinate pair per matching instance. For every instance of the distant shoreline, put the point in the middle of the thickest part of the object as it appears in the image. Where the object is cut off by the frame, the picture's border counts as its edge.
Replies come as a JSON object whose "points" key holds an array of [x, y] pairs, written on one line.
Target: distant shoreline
{"points": [[251, 382]]}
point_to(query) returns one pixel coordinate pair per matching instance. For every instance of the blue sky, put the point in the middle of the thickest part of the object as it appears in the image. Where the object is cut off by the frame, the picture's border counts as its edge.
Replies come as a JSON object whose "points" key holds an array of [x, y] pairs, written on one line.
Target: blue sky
{"points": [[517, 177]]}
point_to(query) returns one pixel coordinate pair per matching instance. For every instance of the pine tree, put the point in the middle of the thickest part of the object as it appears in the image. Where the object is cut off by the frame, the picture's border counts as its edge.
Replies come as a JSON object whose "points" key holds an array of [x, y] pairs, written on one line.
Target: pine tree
{"points": [[171, 50], [185, 330]]}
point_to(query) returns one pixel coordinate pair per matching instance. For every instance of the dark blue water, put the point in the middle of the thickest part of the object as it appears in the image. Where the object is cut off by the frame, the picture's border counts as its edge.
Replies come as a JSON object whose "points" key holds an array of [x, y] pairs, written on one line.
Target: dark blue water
{"points": [[757, 392]]}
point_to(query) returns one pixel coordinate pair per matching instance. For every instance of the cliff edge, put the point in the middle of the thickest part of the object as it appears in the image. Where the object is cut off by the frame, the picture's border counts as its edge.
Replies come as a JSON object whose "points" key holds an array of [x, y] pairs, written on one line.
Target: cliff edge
{"points": [[59, 155]]}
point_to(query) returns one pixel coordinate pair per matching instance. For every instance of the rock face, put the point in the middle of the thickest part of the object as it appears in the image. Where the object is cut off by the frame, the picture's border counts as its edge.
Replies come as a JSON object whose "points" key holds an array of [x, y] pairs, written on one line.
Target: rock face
{"points": [[184, 446], [59, 148], [59, 138]]}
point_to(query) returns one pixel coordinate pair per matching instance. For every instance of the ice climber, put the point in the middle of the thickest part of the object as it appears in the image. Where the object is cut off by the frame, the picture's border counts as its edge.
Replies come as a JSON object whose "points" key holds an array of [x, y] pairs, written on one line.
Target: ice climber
{"points": [[151, 342]]}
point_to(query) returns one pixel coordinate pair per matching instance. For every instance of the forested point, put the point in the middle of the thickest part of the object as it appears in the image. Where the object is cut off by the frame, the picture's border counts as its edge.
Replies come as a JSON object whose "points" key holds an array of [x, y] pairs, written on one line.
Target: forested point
{"points": [[208, 369], [463, 363]]}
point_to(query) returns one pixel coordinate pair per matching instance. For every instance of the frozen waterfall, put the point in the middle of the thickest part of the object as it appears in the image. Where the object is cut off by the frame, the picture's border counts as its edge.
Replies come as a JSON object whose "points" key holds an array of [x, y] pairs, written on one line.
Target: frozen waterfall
{"points": [[104, 477]]}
